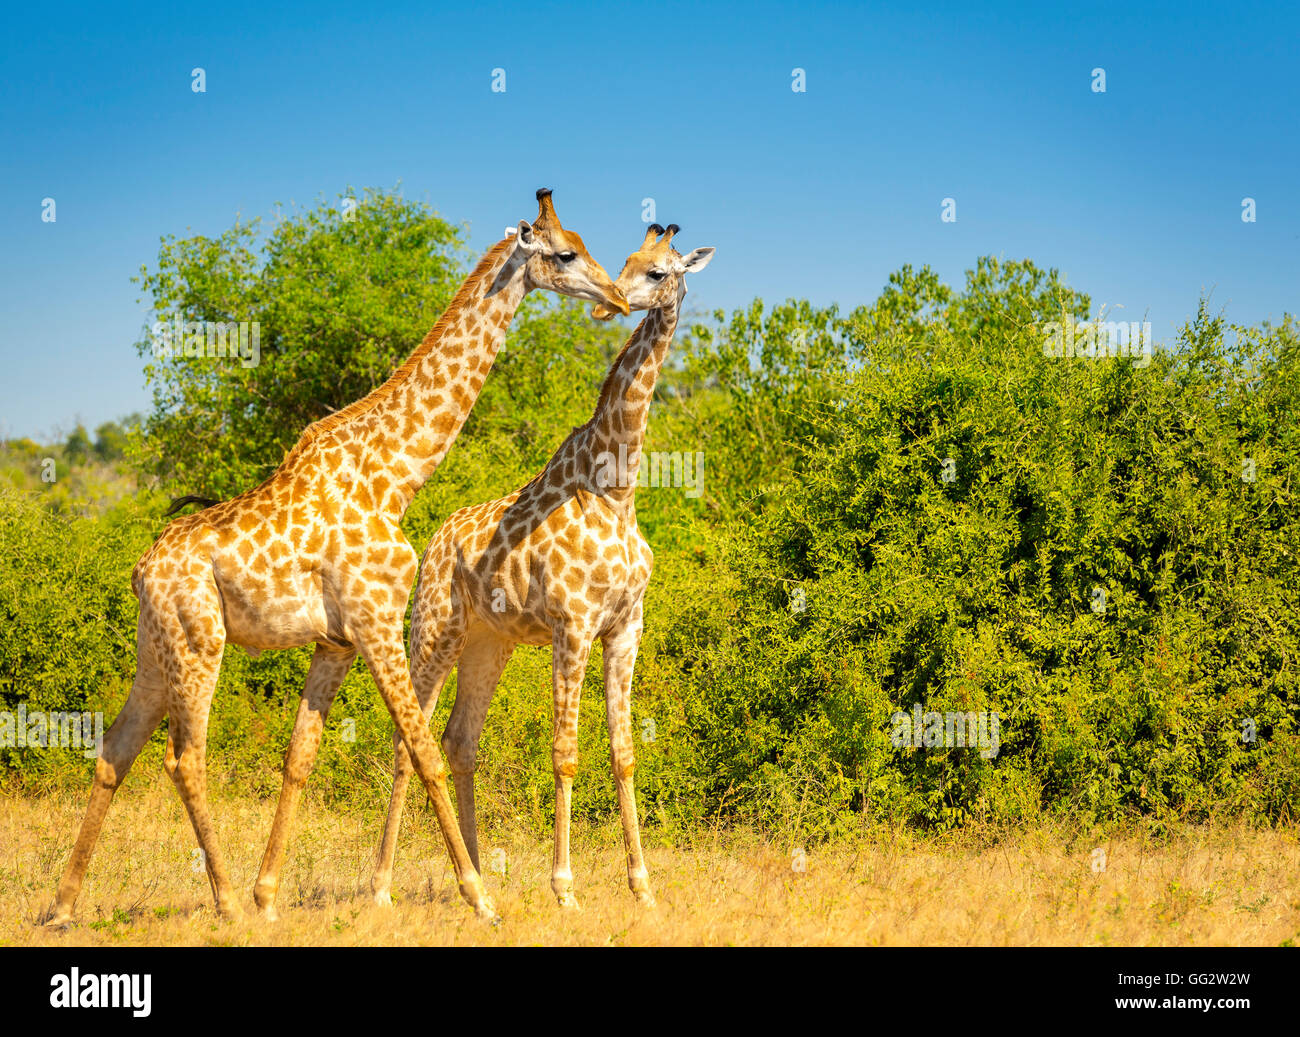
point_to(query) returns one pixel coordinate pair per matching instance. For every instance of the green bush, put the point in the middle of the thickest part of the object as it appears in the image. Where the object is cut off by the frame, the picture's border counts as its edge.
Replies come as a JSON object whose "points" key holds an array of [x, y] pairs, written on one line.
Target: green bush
{"points": [[67, 621], [1068, 477]]}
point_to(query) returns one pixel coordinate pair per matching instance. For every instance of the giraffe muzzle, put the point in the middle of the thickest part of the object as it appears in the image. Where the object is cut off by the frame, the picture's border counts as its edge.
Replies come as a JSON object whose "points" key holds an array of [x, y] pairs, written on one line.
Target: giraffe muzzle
{"points": [[615, 302]]}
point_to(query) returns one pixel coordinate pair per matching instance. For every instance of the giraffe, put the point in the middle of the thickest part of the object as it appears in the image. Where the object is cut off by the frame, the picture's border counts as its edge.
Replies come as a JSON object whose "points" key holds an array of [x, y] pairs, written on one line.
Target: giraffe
{"points": [[315, 554], [560, 561]]}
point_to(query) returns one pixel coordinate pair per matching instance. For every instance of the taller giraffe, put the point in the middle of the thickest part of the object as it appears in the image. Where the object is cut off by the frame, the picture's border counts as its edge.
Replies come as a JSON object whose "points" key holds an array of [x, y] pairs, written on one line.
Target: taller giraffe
{"points": [[316, 555], [559, 562]]}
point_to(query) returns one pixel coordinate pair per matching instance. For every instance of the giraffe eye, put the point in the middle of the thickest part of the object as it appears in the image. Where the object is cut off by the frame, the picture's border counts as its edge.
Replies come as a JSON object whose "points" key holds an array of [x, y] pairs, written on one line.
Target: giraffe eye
{"points": [[655, 275], [566, 257]]}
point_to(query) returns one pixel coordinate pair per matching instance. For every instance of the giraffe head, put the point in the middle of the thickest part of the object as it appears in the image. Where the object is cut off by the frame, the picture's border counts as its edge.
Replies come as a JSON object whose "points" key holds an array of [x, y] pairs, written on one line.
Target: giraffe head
{"points": [[556, 259], [656, 272]]}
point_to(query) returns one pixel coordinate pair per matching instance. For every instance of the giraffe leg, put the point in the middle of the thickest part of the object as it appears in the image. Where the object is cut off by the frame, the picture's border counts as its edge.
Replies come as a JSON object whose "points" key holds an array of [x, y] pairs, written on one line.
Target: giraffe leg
{"points": [[437, 638], [386, 657], [427, 680], [481, 665], [329, 665], [570, 650], [123, 741], [189, 702], [620, 660]]}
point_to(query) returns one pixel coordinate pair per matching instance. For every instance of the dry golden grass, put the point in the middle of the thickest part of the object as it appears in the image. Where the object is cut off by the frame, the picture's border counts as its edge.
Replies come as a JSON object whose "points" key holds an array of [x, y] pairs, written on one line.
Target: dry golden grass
{"points": [[1227, 886]]}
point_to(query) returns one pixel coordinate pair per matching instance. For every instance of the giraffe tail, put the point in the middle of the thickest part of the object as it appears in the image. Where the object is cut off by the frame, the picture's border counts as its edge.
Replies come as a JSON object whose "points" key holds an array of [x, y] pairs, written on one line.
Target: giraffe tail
{"points": [[189, 498]]}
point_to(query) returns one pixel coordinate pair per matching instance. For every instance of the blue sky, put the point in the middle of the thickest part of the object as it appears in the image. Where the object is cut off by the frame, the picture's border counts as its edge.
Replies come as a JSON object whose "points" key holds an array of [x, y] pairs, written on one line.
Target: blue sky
{"points": [[1135, 194]]}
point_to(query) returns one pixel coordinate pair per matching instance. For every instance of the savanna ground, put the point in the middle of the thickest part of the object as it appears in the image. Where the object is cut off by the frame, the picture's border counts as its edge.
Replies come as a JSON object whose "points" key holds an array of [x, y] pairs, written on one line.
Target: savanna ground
{"points": [[1199, 885]]}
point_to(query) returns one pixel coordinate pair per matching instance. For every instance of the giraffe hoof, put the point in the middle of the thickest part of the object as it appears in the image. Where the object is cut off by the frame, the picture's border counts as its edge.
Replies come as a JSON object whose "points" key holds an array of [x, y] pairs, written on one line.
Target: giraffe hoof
{"points": [[487, 912], [59, 920], [270, 914], [568, 901], [383, 898]]}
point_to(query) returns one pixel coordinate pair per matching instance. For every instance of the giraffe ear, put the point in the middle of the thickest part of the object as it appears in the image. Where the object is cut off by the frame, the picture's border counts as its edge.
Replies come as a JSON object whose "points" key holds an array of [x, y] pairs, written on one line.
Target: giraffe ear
{"points": [[694, 262], [526, 237]]}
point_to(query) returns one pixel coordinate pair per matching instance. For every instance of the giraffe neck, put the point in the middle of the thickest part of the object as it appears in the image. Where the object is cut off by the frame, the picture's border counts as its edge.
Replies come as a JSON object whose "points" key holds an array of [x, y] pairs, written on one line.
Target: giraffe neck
{"points": [[398, 435], [617, 429]]}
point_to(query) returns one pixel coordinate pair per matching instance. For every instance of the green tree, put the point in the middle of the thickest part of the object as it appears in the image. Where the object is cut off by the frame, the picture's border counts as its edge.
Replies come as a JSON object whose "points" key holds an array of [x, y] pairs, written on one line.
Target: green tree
{"points": [[340, 294], [78, 447], [111, 438]]}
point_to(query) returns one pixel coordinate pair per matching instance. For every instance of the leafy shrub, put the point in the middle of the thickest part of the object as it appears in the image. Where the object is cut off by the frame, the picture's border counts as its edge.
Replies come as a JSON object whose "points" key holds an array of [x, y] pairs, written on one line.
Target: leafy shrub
{"points": [[1069, 478]]}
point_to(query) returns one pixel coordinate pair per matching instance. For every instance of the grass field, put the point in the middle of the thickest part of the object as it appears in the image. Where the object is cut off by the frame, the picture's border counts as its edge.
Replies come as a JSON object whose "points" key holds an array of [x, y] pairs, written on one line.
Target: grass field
{"points": [[1198, 886]]}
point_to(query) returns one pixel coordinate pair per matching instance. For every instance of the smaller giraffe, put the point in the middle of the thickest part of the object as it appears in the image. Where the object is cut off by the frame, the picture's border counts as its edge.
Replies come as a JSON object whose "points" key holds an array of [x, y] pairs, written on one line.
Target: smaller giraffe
{"points": [[560, 561]]}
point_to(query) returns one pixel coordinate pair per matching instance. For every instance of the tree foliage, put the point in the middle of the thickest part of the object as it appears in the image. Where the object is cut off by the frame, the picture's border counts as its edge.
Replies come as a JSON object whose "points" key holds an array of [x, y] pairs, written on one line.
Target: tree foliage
{"points": [[340, 293]]}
